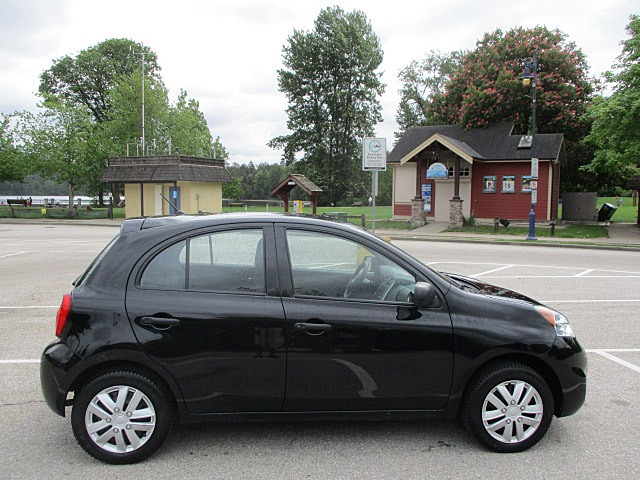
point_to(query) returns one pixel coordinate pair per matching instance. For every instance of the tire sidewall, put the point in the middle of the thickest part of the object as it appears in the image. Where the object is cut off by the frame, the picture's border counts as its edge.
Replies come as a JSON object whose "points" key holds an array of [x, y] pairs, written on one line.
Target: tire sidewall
{"points": [[487, 382], [155, 394]]}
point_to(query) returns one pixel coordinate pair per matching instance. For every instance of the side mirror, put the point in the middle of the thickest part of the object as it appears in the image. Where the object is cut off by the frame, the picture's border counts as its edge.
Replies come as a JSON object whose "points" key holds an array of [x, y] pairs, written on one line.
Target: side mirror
{"points": [[424, 296]]}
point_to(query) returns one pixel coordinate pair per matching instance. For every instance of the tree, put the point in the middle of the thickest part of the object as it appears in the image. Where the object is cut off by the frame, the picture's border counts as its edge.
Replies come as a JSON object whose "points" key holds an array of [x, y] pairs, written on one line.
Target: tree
{"points": [[614, 132], [255, 182], [332, 85], [487, 88], [188, 128], [420, 82], [13, 168], [88, 78], [58, 142], [124, 125]]}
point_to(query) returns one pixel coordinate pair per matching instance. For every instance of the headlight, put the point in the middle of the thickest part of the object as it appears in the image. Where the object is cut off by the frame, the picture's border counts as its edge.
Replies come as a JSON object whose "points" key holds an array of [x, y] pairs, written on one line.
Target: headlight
{"points": [[559, 321]]}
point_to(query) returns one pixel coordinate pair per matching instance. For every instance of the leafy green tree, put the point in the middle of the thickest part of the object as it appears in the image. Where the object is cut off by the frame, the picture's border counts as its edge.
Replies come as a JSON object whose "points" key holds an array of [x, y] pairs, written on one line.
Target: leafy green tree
{"points": [[124, 126], [13, 168], [256, 182], [332, 85], [105, 82], [58, 143], [188, 128], [232, 189], [614, 133], [420, 82], [88, 78], [487, 88]]}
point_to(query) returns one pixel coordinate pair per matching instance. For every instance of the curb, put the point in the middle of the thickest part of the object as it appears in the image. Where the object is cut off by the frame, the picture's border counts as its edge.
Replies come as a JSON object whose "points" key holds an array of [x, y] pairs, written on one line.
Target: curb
{"points": [[528, 243], [383, 234]]}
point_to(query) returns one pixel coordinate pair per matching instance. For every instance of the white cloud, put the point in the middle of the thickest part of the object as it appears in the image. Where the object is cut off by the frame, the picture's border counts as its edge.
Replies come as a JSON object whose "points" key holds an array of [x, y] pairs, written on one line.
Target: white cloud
{"points": [[226, 54]]}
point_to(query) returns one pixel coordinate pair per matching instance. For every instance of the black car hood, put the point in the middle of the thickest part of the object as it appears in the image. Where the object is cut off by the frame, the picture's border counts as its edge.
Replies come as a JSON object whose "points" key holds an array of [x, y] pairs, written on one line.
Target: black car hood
{"points": [[474, 285]]}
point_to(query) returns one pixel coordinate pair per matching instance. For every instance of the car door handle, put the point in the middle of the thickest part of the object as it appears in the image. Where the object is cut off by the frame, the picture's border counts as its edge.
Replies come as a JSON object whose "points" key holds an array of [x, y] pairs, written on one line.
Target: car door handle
{"points": [[159, 323], [317, 327]]}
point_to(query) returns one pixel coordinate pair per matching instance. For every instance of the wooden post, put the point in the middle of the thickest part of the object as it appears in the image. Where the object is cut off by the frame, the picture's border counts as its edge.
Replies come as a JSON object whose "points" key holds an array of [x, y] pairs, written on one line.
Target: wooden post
{"points": [[142, 199]]}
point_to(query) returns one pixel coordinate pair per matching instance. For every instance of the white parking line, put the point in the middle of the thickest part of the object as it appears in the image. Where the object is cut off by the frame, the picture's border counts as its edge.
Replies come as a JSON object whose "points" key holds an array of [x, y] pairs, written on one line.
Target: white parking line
{"points": [[24, 307], [491, 271], [20, 360], [586, 272], [589, 301], [11, 254], [582, 272], [624, 363], [587, 277]]}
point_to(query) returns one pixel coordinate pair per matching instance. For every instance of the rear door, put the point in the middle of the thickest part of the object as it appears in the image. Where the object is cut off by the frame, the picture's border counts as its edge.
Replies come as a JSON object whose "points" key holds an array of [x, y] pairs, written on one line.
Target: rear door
{"points": [[202, 307]]}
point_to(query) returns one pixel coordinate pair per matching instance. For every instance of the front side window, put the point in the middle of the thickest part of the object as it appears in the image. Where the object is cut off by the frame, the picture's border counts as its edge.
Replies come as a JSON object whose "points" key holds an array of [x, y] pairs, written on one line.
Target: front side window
{"points": [[230, 261], [324, 265]]}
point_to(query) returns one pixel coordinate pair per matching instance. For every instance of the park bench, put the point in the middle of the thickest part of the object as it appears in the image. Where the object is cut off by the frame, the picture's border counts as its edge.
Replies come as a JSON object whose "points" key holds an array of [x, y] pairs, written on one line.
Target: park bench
{"points": [[356, 204], [17, 201], [236, 204]]}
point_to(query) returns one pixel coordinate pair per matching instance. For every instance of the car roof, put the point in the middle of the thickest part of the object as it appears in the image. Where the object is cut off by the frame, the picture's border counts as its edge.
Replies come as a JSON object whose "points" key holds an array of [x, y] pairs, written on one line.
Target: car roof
{"points": [[198, 221]]}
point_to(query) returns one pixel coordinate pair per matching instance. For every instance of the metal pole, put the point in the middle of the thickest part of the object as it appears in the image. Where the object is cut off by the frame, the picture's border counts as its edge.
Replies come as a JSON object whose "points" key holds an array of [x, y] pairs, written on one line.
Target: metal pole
{"points": [[374, 183], [144, 150], [532, 212]]}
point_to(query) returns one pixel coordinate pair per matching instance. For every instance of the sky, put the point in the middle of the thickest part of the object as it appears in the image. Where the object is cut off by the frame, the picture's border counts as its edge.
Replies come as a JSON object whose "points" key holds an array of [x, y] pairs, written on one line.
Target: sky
{"points": [[226, 54]]}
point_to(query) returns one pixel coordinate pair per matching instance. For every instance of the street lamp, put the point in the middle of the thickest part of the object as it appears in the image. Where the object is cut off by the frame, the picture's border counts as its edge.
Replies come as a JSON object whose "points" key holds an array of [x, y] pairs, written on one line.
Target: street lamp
{"points": [[529, 77]]}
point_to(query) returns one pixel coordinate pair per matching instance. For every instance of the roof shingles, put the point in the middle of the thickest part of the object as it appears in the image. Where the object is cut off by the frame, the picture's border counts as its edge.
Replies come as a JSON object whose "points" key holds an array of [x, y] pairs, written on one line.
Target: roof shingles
{"points": [[165, 170], [493, 143]]}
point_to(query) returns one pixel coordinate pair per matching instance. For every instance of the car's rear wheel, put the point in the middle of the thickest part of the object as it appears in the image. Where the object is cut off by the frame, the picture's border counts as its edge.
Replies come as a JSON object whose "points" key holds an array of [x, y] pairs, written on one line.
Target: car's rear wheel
{"points": [[121, 417], [508, 407]]}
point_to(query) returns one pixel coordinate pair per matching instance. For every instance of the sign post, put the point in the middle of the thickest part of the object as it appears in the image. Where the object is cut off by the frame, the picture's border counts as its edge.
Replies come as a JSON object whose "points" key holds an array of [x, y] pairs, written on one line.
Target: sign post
{"points": [[374, 158], [534, 199]]}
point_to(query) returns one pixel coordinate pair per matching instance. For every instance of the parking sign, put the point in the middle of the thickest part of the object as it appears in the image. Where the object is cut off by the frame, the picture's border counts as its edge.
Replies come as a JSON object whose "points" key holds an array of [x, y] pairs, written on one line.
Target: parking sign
{"points": [[374, 153]]}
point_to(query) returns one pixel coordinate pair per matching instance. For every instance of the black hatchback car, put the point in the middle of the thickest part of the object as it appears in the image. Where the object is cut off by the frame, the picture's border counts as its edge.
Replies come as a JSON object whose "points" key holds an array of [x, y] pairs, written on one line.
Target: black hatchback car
{"points": [[247, 317]]}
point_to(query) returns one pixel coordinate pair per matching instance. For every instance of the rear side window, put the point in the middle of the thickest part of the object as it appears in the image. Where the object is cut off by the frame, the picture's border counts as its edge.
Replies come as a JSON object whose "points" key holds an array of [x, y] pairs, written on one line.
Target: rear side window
{"points": [[230, 261]]}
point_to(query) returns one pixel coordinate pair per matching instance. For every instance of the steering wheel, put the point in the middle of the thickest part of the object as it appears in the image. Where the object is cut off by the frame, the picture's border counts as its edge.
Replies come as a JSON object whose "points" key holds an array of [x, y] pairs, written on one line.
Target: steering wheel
{"points": [[359, 275], [384, 288]]}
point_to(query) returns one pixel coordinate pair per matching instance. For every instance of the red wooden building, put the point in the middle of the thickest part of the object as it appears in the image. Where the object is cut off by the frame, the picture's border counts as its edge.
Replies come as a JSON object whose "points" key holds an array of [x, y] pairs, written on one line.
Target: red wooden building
{"points": [[446, 171]]}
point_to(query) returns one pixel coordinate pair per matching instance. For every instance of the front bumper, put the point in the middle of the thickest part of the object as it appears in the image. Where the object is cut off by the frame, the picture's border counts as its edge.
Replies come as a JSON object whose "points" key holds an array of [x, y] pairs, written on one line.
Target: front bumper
{"points": [[571, 368]]}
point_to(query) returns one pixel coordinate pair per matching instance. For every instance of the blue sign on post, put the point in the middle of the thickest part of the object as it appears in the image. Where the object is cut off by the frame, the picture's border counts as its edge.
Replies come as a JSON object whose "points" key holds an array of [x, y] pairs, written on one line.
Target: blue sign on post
{"points": [[426, 197], [174, 195]]}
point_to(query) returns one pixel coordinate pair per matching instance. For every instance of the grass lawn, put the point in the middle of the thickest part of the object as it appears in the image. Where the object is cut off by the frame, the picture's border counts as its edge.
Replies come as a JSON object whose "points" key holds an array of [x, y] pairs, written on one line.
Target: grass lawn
{"points": [[570, 231], [625, 213], [383, 214]]}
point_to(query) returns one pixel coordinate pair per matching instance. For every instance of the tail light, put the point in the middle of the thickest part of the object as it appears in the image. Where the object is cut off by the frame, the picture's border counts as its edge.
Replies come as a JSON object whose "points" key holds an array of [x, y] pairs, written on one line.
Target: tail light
{"points": [[63, 314]]}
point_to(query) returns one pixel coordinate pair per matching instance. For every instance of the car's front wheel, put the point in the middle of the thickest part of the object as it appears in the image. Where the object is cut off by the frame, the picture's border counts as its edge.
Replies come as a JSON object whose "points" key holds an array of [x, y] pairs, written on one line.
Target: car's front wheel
{"points": [[121, 417], [508, 407]]}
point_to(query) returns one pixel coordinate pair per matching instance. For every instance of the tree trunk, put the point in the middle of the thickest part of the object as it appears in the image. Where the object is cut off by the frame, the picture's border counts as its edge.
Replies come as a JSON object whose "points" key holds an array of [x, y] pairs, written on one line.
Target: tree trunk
{"points": [[71, 193]]}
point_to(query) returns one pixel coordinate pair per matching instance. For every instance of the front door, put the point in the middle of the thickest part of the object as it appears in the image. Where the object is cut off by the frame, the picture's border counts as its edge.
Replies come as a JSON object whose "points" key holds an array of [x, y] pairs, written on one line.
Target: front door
{"points": [[354, 340]]}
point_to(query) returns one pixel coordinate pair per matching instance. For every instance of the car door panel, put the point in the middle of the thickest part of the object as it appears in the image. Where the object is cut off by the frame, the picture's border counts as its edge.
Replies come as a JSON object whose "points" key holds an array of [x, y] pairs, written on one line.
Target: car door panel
{"points": [[371, 354], [226, 350], [369, 359]]}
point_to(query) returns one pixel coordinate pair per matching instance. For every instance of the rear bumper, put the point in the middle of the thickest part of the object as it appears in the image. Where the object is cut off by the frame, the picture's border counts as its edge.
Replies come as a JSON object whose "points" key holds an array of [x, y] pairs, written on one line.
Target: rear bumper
{"points": [[55, 361]]}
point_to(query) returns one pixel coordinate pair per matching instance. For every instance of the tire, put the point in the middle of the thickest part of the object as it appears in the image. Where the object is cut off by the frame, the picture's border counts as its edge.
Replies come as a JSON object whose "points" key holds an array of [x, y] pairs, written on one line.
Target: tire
{"points": [[508, 407], [122, 417]]}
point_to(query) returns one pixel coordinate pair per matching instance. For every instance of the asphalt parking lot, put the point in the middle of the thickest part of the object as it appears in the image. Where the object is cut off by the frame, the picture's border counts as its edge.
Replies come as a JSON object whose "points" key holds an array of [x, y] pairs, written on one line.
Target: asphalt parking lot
{"points": [[598, 290]]}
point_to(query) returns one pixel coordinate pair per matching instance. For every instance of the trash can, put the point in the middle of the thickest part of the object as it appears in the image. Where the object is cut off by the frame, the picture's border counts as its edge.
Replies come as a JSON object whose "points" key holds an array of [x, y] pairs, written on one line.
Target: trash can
{"points": [[606, 212]]}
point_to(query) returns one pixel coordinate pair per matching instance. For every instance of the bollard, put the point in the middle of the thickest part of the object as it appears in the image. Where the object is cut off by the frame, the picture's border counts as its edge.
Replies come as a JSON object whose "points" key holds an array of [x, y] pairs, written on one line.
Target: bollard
{"points": [[496, 222]]}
